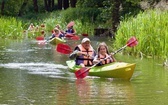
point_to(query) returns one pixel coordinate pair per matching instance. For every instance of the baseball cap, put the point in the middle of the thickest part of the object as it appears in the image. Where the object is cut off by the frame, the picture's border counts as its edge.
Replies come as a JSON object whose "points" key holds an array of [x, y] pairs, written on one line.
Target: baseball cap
{"points": [[85, 40]]}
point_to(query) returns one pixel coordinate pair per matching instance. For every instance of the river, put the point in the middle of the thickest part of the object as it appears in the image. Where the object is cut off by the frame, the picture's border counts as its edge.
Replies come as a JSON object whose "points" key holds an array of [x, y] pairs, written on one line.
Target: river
{"points": [[36, 74]]}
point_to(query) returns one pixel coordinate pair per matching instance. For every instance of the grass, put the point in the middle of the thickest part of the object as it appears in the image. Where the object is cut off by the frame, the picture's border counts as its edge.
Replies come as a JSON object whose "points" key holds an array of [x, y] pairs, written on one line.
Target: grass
{"points": [[10, 28], [150, 28]]}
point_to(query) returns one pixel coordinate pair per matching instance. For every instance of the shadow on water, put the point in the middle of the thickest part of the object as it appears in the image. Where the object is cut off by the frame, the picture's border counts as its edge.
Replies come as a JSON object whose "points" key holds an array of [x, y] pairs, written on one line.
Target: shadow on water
{"points": [[35, 74]]}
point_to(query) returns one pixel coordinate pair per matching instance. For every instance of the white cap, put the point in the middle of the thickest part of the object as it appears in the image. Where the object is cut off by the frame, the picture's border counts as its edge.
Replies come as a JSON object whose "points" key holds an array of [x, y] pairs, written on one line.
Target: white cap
{"points": [[85, 40]]}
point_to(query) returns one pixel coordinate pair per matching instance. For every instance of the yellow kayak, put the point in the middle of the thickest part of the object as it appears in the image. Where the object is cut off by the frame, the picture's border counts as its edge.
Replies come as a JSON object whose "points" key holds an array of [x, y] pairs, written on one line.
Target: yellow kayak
{"points": [[56, 40], [112, 70]]}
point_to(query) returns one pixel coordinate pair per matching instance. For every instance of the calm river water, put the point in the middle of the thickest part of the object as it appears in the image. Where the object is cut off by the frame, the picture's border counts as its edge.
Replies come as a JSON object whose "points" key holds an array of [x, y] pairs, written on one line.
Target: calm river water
{"points": [[33, 74]]}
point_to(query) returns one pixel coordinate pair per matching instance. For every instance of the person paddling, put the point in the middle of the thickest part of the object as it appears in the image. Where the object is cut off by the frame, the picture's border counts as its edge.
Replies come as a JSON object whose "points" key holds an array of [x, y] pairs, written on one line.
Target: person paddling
{"points": [[70, 29], [102, 53], [57, 33], [59, 27], [83, 53]]}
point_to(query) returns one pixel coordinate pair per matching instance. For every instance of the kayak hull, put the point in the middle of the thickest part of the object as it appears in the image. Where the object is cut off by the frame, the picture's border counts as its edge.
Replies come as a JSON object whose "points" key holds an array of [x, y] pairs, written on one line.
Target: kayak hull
{"points": [[56, 41], [113, 70]]}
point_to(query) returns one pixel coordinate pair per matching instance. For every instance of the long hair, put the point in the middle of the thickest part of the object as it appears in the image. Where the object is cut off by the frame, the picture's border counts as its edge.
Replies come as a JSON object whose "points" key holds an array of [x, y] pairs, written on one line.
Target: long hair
{"points": [[103, 44]]}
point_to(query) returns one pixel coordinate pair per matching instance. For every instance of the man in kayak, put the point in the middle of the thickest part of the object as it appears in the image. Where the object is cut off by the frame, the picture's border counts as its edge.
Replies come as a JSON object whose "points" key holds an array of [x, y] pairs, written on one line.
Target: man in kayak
{"points": [[83, 53], [103, 56], [70, 30]]}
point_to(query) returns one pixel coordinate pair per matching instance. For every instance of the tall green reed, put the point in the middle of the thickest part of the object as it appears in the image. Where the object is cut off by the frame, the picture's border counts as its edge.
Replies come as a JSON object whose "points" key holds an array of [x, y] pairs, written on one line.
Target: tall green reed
{"points": [[150, 28], [10, 28]]}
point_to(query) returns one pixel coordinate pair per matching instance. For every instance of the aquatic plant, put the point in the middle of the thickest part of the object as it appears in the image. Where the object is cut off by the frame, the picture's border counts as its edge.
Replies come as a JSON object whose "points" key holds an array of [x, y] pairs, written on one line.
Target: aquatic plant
{"points": [[10, 28], [150, 28]]}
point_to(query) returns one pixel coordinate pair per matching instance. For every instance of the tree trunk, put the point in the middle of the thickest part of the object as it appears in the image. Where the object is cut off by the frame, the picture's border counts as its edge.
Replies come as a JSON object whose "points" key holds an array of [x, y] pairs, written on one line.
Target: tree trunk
{"points": [[115, 15], [73, 3], [52, 4], [46, 5], [35, 6], [22, 7], [60, 4], [66, 4], [2, 7], [49, 5]]}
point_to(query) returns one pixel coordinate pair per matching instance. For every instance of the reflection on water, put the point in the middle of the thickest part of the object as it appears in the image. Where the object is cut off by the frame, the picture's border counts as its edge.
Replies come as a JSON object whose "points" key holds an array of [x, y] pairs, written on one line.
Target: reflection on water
{"points": [[104, 92], [35, 74]]}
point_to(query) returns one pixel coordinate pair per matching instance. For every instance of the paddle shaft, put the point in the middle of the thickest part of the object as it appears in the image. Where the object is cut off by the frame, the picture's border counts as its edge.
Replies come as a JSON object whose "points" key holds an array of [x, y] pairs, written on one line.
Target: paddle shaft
{"points": [[101, 61], [112, 54], [87, 70]]}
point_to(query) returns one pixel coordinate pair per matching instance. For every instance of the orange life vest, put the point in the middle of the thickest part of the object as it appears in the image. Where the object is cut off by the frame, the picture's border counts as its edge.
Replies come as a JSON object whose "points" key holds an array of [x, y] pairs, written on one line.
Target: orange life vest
{"points": [[108, 60], [87, 57]]}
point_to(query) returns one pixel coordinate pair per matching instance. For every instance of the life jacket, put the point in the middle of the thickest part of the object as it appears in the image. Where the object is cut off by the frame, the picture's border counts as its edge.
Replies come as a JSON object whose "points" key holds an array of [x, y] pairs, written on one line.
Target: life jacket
{"points": [[108, 60], [87, 58], [70, 31]]}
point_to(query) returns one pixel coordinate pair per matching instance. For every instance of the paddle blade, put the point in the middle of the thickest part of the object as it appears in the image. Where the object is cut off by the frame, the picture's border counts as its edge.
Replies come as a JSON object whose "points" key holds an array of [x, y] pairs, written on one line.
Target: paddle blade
{"points": [[63, 48], [39, 38], [132, 42], [82, 73]]}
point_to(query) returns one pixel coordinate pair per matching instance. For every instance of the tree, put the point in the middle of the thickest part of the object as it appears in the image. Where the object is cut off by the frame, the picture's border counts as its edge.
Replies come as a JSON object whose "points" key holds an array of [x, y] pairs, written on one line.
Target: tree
{"points": [[60, 4], [49, 5], [115, 14], [22, 8], [2, 7], [66, 4], [73, 3], [35, 6]]}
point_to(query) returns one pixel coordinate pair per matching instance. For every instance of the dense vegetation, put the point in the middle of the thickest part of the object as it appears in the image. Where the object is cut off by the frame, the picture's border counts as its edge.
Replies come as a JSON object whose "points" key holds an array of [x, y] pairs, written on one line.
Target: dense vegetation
{"points": [[149, 26]]}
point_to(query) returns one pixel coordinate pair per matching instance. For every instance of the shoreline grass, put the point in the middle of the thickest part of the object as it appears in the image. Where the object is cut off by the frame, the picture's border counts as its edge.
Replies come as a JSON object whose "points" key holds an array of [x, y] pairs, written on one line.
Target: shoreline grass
{"points": [[150, 28]]}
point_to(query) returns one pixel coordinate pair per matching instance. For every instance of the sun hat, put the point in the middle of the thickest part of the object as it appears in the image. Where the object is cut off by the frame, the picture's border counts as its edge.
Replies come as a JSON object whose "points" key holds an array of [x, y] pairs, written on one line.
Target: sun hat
{"points": [[85, 40], [70, 24]]}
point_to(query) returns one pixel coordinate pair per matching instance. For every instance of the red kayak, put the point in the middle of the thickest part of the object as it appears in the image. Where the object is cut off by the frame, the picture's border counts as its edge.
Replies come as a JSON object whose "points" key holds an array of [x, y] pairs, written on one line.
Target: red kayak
{"points": [[39, 38], [72, 36]]}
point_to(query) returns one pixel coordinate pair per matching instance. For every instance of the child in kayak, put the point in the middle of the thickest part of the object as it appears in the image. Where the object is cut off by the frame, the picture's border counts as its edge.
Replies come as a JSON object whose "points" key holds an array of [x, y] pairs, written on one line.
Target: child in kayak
{"points": [[102, 54]]}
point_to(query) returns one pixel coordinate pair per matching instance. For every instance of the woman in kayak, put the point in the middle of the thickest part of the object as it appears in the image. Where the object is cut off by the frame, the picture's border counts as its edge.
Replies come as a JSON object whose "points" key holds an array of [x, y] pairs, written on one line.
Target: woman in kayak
{"points": [[59, 27], [57, 33], [83, 53], [103, 56]]}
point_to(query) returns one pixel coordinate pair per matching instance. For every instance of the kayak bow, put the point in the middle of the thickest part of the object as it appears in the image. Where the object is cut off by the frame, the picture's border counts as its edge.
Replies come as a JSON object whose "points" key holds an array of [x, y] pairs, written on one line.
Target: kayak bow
{"points": [[56, 41]]}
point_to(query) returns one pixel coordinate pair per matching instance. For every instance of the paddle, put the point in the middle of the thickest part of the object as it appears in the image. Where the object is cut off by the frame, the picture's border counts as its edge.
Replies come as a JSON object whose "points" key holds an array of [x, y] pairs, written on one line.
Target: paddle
{"points": [[63, 48], [83, 72]]}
